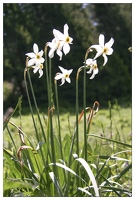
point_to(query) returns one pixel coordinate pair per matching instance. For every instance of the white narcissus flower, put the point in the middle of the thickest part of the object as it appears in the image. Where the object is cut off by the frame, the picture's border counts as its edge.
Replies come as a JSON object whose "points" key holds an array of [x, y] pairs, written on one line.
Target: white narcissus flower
{"points": [[93, 67], [103, 49], [55, 45], [64, 76], [35, 56], [60, 41], [39, 67]]}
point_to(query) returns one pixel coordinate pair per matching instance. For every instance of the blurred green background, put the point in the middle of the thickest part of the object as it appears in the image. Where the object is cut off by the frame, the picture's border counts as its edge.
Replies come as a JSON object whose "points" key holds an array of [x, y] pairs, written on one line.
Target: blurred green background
{"points": [[25, 24]]}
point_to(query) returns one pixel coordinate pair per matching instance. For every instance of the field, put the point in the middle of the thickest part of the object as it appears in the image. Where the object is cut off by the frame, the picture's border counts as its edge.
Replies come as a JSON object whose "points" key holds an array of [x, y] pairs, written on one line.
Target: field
{"points": [[108, 148]]}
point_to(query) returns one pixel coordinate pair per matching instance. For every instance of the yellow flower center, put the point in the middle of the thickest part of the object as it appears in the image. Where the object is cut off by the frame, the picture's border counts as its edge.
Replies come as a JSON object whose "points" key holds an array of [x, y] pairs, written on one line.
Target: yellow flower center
{"points": [[68, 39], [66, 76], [38, 56], [94, 66], [41, 66], [105, 50]]}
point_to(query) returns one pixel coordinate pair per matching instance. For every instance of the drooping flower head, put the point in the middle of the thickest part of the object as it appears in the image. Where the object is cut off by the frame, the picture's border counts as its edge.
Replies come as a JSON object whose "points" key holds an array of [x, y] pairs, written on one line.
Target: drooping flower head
{"points": [[55, 45], [103, 48], [93, 67], [39, 68], [64, 76]]}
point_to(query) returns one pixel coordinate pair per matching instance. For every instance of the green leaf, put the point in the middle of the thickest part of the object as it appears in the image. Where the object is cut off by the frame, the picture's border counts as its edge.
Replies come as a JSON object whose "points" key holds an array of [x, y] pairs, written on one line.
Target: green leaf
{"points": [[90, 174]]}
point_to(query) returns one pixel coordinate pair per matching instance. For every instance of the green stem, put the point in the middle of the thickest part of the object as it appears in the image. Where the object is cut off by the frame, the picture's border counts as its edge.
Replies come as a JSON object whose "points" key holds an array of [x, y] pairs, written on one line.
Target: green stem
{"points": [[84, 107], [77, 111], [43, 133]]}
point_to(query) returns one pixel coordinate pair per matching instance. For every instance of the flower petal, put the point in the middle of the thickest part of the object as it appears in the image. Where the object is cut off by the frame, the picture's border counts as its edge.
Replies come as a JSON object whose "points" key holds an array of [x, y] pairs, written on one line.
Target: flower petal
{"points": [[62, 81], [105, 59], [95, 71], [40, 72], [110, 43], [35, 48], [93, 75], [31, 55], [68, 80], [31, 61], [66, 30], [62, 69], [58, 35], [58, 76], [36, 68], [89, 61], [59, 53], [70, 71], [101, 40], [66, 48]]}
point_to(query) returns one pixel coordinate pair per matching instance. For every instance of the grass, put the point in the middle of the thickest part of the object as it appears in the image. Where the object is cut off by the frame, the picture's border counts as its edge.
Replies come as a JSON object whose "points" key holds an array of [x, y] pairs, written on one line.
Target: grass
{"points": [[118, 126]]}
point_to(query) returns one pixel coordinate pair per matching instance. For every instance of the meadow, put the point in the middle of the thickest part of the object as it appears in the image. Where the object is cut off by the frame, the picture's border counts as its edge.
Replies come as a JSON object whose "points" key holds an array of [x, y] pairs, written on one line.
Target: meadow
{"points": [[85, 151]]}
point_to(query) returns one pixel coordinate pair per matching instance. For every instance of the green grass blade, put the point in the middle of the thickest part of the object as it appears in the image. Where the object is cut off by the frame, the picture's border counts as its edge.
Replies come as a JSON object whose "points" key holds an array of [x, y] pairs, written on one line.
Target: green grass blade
{"points": [[90, 174], [56, 183], [115, 141]]}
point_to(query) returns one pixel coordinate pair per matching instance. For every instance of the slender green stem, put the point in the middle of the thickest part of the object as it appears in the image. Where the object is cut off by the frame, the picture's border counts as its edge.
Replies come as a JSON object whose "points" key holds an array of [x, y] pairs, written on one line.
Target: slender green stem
{"points": [[50, 109], [35, 102], [31, 107], [58, 118], [77, 111], [84, 106]]}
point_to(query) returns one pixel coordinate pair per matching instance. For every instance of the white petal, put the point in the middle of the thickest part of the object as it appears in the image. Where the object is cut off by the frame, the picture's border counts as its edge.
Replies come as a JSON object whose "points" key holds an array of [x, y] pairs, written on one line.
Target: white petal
{"points": [[110, 43], [63, 70], [31, 55], [59, 54], [35, 48], [105, 59], [70, 71], [96, 46], [110, 51], [101, 40], [62, 81], [58, 76], [66, 48], [58, 35], [93, 75], [89, 72], [68, 80], [51, 53], [31, 61], [66, 30], [35, 69], [40, 72], [89, 61], [99, 53], [40, 53], [95, 71]]}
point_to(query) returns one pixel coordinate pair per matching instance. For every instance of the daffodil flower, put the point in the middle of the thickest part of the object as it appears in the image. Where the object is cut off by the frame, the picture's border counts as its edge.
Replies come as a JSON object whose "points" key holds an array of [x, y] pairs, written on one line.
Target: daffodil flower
{"points": [[64, 39], [93, 67], [35, 56], [55, 45], [64, 76], [39, 68], [103, 49]]}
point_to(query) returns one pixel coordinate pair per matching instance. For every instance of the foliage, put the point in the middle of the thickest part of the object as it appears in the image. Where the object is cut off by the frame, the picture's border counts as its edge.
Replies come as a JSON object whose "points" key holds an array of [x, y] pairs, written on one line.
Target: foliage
{"points": [[50, 163], [24, 23]]}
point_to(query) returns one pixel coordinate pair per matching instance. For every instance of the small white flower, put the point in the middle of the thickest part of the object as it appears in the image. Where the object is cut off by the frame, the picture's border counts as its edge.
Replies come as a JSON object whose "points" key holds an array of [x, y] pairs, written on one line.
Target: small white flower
{"points": [[60, 41], [39, 68], [93, 67], [36, 56], [103, 49], [64, 76], [55, 45]]}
